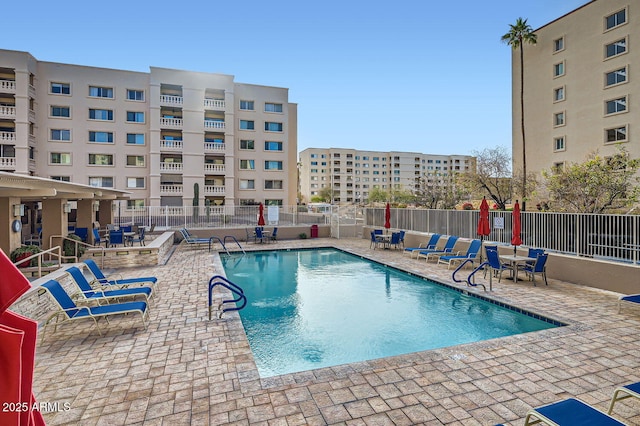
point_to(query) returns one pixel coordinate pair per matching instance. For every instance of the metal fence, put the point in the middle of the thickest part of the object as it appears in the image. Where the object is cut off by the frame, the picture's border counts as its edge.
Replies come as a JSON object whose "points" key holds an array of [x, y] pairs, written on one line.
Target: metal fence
{"points": [[165, 217], [614, 237]]}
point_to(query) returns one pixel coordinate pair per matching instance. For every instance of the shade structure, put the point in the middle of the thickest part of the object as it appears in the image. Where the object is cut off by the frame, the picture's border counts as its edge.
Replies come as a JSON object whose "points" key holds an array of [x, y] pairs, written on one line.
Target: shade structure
{"points": [[515, 230], [483, 222], [387, 216], [261, 215]]}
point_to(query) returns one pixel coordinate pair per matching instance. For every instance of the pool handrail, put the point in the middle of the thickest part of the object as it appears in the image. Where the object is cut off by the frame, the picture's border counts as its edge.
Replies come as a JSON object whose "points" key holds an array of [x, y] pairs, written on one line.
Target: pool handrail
{"points": [[234, 288], [469, 278], [237, 242]]}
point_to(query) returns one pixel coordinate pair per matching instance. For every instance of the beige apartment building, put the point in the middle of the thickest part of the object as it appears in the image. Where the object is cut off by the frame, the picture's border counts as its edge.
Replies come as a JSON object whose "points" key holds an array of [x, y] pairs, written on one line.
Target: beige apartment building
{"points": [[582, 86], [353, 173], [152, 134]]}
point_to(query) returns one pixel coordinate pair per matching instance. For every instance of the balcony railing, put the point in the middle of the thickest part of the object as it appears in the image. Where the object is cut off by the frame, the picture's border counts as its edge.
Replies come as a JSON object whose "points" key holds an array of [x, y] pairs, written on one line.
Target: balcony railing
{"points": [[171, 167], [214, 168], [170, 100], [172, 123], [7, 163], [213, 190], [7, 136], [209, 124], [170, 145], [213, 147], [9, 112], [32, 116], [7, 86], [217, 104], [171, 189]]}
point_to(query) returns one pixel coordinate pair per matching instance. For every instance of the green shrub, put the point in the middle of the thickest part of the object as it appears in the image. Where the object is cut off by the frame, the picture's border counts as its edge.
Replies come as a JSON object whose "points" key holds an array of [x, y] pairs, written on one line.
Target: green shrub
{"points": [[23, 252], [68, 247]]}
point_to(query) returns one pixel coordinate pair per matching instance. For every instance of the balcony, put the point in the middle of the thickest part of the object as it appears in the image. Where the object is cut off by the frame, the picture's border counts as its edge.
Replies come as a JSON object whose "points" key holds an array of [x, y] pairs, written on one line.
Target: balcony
{"points": [[210, 124], [32, 116], [170, 145], [7, 112], [214, 168], [213, 190], [171, 100], [7, 163], [171, 167], [214, 104], [7, 86], [171, 189], [213, 147], [7, 137], [171, 123]]}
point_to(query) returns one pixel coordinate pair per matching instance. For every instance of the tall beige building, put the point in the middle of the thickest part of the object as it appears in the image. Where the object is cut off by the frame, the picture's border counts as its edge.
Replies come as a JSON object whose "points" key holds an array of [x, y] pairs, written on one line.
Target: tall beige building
{"points": [[353, 173], [582, 86], [153, 134]]}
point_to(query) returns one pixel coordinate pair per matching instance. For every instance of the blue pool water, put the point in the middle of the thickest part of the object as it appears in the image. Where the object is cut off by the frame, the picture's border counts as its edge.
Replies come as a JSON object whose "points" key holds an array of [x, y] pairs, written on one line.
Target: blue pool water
{"points": [[316, 308]]}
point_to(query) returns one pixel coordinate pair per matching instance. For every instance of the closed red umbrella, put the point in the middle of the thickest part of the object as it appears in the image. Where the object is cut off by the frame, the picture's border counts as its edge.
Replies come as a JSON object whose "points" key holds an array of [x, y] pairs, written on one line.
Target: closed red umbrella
{"points": [[387, 216], [261, 215], [515, 230], [483, 222]]}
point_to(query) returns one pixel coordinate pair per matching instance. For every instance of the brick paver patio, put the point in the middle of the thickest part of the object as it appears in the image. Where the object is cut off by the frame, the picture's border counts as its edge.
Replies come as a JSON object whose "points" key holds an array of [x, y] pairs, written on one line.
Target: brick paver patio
{"points": [[185, 369]]}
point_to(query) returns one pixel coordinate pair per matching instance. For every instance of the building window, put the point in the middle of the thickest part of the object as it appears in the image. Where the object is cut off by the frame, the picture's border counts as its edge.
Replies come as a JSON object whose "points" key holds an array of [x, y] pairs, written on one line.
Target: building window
{"points": [[618, 134], [247, 184], [272, 184], [247, 125], [60, 135], [62, 178], [615, 48], [101, 114], [135, 182], [135, 160], [101, 137], [272, 165], [277, 202], [247, 165], [135, 117], [60, 111], [558, 144], [616, 105], [135, 204], [101, 181], [558, 94], [135, 138], [270, 107], [615, 19], [558, 69], [61, 88], [246, 105], [558, 119], [616, 77], [101, 159], [270, 126], [558, 44], [135, 95], [247, 144], [272, 146], [60, 158], [100, 92]]}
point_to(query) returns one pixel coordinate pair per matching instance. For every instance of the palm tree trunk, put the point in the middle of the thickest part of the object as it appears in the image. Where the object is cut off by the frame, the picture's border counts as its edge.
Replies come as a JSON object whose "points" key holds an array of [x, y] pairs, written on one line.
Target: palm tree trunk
{"points": [[524, 150]]}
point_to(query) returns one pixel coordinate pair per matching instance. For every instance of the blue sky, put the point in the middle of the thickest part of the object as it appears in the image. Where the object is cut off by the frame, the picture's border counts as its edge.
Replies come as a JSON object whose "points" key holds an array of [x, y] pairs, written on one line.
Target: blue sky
{"points": [[423, 76]]}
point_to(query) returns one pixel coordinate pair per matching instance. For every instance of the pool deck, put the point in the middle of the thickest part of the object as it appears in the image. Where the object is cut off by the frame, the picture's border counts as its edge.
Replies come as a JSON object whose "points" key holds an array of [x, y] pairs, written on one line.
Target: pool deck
{"points": [[187, 370]]}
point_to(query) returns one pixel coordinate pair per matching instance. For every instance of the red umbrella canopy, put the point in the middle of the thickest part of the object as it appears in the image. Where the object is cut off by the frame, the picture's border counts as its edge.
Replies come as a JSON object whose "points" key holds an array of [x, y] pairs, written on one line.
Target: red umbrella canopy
{"points": [[261, 215], [515, 231], [483, 223], [387, 216]]}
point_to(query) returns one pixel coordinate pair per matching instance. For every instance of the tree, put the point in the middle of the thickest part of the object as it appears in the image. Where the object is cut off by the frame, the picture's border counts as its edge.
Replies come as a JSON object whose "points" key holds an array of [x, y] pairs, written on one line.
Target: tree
{"points": [[377, 195], [520, 34], [492, 176], [595, 186], [326, 195], [436, 193]]}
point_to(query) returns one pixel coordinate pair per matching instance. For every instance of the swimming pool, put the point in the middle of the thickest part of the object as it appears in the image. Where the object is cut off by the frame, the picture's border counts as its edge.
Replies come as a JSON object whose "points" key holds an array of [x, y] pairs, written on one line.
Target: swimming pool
{"points": [[317, 308]]}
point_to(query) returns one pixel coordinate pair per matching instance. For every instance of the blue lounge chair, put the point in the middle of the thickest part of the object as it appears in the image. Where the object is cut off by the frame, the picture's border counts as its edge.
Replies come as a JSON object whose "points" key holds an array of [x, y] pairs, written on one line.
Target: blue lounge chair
{"points": [[472, 253], [624, 392], [121, 282], [436, 252], [494, 265], [431, 244], [116, 237], [395, 240], [139, 238], [90, 293], [538, 267], [274, 234], [375, 240], [630, 298], [570, 412], [259, 235], [96, 238], [69, 311], [191, 239]]}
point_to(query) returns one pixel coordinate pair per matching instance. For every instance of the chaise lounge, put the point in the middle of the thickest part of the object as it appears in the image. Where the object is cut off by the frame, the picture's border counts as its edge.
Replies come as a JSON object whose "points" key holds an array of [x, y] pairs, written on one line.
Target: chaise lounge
{"points": [[90, 293], [121, 282], [570, 412]]}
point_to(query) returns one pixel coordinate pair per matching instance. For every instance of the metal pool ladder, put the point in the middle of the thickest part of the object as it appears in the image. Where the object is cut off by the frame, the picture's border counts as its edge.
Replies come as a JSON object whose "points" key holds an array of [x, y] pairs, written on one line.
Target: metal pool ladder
{"points": [[222, 242], [233, 288], [469, 279]]}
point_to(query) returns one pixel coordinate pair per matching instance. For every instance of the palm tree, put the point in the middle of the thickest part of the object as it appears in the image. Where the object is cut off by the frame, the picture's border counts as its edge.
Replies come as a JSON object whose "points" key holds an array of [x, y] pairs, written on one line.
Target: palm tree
{"points": [[519, 34]]}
